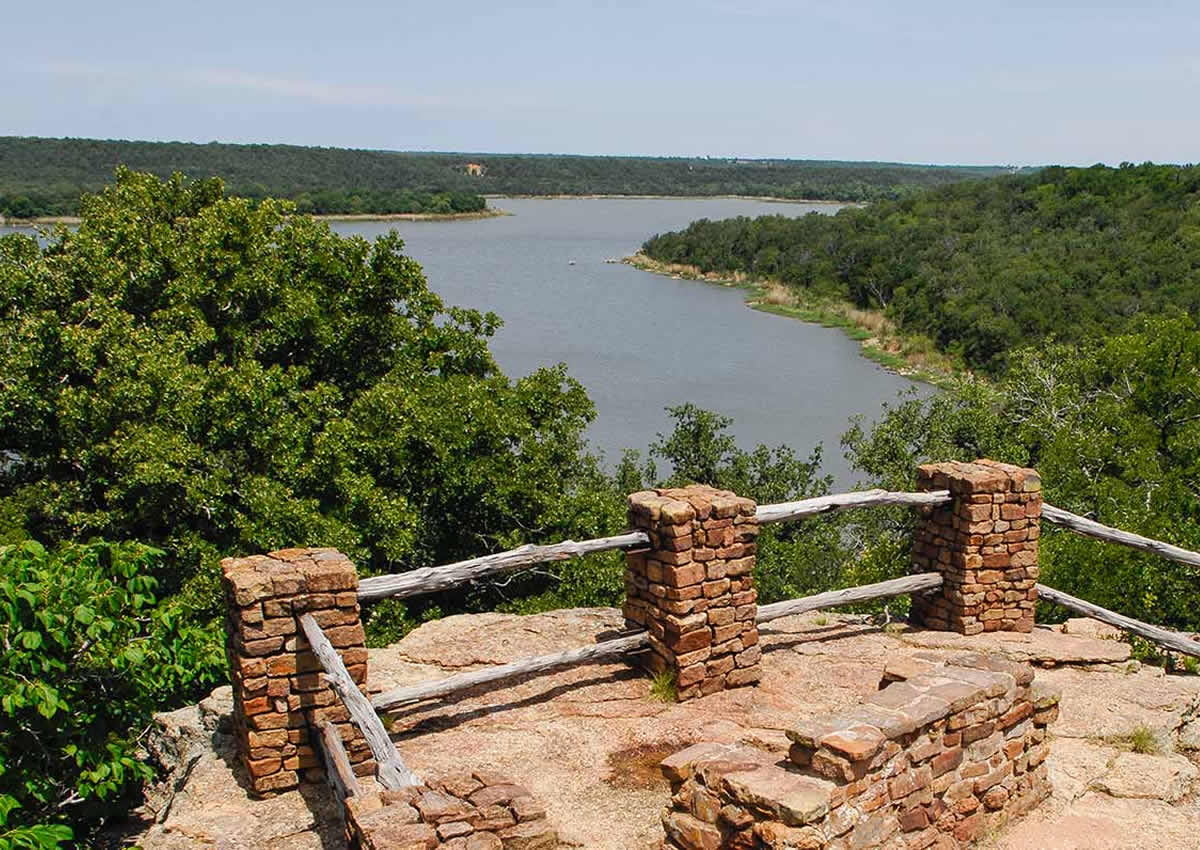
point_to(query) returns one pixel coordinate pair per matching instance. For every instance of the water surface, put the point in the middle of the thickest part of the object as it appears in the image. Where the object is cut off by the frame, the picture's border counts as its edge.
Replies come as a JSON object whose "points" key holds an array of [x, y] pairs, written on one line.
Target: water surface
{"points": [[641, 342]]}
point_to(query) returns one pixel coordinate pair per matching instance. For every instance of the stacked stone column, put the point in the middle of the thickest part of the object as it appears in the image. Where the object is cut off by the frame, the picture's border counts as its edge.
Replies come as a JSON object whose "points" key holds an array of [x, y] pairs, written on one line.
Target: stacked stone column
{"points": [[984, 542], [693, 590], [279, 696]]}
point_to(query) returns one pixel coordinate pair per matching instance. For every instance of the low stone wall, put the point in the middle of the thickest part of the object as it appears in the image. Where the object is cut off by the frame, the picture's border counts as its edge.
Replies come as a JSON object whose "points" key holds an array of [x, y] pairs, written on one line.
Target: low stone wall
{"points": [[469, 811], [939, 754]]}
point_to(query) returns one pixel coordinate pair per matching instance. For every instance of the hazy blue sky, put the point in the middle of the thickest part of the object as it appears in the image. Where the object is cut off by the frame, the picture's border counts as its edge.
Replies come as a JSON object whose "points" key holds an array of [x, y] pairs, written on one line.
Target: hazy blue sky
{"points": [[1001, 82]]}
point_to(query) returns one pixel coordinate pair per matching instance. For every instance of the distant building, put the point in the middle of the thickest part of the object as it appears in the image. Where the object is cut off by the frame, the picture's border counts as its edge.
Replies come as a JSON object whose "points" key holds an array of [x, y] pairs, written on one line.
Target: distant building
{"points": [[475, 169]]}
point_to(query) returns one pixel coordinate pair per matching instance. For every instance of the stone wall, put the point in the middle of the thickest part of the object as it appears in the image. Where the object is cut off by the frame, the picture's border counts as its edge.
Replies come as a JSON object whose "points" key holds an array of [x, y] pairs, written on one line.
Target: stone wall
{"points": [[468, 811], [278, 693], [984, 542], [931, 760], [693, 588]]}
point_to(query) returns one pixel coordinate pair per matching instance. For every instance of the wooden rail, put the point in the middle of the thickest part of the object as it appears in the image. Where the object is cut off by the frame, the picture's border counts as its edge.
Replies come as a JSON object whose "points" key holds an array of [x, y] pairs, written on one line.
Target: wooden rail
{"points": [[433, 579], [337, 763], [844, 501], [514, 670], [391, 770], [1091, 528], [637, 642], [1157, 634], [851, 595]]}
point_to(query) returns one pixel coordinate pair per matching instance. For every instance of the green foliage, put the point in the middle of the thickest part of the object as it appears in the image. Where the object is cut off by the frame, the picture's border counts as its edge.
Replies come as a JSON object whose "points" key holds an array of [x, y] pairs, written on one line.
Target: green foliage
{"points": [[794, 559], [42, 836], [984, 267], [85, 657], [662, 686], [47, 176], [1143, 739], [1113, 426], [216, 377]]}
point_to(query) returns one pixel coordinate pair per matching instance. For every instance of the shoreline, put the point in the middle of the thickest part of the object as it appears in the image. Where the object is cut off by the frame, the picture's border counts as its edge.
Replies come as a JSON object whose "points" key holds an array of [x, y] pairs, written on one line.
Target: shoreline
{"points": [[908, 356], [592, 196], [490, 212]]}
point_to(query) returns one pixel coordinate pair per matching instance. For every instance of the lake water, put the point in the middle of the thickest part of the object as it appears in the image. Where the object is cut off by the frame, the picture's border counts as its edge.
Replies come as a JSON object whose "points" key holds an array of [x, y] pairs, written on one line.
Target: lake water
{"points": [[640, 342]]}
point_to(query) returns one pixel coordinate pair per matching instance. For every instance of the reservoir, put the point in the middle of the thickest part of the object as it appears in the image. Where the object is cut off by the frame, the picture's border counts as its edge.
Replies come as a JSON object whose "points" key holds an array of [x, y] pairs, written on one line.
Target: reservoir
{"points": [[640, 342]]}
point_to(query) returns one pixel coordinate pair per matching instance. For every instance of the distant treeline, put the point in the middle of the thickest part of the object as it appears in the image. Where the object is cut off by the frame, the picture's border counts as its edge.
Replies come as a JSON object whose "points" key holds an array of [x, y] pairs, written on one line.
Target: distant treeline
{"points": [[47, 176], [986, 266]]}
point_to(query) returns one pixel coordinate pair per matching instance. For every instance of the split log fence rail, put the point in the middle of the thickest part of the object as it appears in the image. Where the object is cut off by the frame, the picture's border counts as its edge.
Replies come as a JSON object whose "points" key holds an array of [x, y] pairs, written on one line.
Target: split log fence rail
{"points": [[391, 770]]}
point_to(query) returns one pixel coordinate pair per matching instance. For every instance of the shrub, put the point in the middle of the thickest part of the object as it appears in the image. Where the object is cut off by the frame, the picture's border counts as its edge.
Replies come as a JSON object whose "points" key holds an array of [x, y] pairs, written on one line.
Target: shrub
{"points": [[86, 655]]}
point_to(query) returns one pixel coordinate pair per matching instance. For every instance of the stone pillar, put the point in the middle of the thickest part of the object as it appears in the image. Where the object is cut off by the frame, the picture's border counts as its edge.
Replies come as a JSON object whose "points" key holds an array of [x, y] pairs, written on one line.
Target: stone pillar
{"points": [[693, 587], [984, 542], [278, 693]]}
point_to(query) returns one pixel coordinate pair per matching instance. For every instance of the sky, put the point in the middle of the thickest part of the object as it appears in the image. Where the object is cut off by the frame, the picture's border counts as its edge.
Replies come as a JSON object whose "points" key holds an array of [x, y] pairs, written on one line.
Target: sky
{"points": [[1017, 83]]}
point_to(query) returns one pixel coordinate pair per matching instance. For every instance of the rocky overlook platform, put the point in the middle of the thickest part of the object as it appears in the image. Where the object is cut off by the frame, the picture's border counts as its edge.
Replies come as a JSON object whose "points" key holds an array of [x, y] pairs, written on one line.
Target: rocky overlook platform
{"points": [[587, 742]]}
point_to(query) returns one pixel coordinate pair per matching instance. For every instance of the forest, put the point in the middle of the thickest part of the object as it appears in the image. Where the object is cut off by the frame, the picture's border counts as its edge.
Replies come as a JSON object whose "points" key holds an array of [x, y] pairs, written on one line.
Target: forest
{"points": [[44, 177], [190, 375], [984, 267]]}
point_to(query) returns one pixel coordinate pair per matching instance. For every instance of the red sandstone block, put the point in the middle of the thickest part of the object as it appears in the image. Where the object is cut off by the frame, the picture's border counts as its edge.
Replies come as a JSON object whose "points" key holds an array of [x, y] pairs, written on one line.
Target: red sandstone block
{"points": [[744, 676], [716, 588], [947, 761], [674, 559], [683, 575], [722, 616], [263, 767], [688, 642]]}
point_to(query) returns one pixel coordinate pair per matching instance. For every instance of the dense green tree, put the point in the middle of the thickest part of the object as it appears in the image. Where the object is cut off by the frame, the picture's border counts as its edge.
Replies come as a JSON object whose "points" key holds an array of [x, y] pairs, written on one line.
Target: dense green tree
{"points": [[1113, 426], [53, 173], [986, 266], [217, 377]]}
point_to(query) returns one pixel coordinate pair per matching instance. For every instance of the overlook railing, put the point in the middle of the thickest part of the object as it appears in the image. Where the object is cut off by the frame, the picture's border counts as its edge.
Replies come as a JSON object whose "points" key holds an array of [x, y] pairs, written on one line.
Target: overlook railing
{"points": [[391, 770]]}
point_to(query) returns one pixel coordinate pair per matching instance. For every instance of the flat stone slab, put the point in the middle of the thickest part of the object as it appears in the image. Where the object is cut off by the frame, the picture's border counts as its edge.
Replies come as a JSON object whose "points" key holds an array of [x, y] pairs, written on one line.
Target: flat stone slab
{"points": [[587, 742], [1141, 776], [1043, 647], [1100, 822]]}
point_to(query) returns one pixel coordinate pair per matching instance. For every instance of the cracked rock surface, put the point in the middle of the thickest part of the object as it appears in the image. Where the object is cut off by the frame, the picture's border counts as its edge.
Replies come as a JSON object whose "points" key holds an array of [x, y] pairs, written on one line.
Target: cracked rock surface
{"points": [[587, 741]]}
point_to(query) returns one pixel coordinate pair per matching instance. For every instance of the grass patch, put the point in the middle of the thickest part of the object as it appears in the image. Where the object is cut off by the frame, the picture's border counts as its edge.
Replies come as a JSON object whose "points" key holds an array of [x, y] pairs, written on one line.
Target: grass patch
{"points": [[1142, 739], [662, 687], [821, 620]]}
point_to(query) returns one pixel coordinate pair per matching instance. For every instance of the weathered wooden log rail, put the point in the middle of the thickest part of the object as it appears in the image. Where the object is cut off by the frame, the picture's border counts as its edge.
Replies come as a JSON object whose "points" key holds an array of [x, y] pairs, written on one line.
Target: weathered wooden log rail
{"points": [[337, 763], [629, 644], [390, 768], [391, 771], [851, 596], [434, 579], [1157, 634], [1091, 528]]}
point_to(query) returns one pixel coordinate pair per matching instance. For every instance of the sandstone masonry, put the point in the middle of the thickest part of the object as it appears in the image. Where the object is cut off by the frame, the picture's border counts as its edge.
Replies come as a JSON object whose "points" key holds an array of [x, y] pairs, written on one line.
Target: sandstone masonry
{"points": [[984, 542], [467, 811], [693, 590], [278, 693], [941, 752]]}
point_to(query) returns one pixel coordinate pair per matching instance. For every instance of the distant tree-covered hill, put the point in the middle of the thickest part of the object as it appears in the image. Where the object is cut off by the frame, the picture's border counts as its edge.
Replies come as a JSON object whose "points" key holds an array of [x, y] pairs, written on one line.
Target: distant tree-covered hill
{"points": [[47, 176], [986, 266]]}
